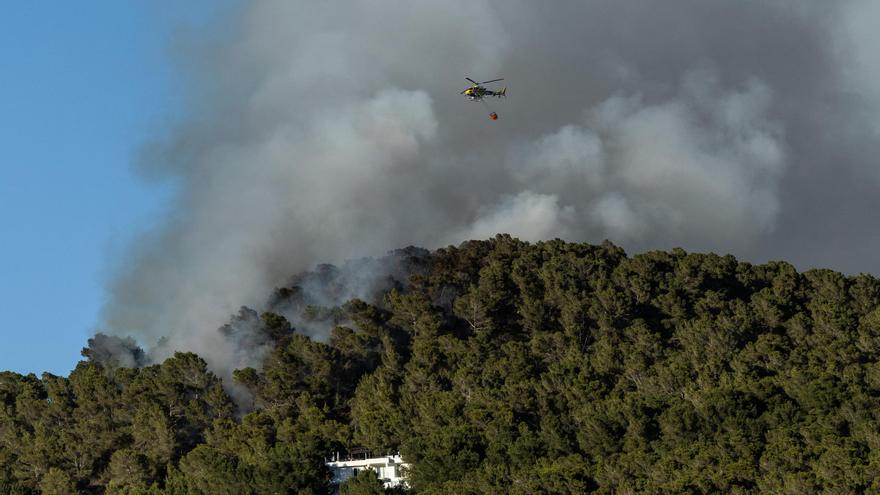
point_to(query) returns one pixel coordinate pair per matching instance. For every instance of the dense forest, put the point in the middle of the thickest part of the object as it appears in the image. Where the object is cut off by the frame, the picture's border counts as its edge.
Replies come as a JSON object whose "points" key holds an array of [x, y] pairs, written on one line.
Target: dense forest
{"points": [[496, 366]]}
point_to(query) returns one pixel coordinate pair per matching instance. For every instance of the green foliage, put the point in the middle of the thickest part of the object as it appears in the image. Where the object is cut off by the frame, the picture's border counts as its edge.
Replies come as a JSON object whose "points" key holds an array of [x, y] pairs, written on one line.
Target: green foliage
{"points": [[500, 367], [365, 483], [57, 482]]}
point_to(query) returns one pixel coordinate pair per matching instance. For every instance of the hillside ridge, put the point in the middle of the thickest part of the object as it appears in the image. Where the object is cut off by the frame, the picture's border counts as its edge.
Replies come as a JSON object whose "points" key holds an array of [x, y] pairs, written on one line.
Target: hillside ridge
{"points": [[495, 366]]}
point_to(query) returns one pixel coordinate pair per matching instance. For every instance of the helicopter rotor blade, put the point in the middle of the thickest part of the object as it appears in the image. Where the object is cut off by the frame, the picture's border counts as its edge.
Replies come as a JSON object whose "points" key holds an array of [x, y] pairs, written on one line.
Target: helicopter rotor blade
{"points": [[493, 80], [471, 80]]}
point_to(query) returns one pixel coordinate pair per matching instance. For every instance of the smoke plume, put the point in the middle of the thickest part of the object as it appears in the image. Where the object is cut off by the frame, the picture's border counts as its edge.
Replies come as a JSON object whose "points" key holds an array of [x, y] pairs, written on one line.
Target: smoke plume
{"points": [[324, 131]]}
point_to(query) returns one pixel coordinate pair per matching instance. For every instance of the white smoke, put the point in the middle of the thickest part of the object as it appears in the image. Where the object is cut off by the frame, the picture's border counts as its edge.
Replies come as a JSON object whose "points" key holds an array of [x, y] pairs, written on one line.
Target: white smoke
{"points": [[859, 38], [528, 215], [325, 131], [704, 166]]}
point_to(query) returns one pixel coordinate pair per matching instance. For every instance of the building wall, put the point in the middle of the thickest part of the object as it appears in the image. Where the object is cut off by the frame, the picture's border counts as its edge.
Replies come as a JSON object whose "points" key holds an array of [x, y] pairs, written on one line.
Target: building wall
{"points": [[389, 469]]}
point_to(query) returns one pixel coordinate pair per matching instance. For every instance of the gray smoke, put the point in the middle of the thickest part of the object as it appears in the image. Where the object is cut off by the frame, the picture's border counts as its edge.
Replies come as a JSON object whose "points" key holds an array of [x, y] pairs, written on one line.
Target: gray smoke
{"points": [[323, 131]]}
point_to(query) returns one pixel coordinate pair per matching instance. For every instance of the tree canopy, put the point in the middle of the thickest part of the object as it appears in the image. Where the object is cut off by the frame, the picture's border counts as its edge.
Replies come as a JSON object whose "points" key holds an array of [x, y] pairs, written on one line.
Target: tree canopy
{"points": [[495, 366]]}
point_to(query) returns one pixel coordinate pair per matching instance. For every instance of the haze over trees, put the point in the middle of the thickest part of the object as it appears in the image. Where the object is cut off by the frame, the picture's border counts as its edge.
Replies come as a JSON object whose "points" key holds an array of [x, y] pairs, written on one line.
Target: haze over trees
{"points": [[495, 367]]}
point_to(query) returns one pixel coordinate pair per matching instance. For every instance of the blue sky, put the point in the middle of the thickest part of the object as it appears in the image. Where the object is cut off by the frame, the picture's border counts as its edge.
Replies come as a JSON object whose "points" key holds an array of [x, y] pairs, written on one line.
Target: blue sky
{"points": [[83, 85]]}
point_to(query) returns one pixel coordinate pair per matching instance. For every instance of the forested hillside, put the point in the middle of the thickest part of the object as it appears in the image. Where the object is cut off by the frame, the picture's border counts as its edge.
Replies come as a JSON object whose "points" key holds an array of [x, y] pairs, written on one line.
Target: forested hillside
{"points": [[494, 367]]}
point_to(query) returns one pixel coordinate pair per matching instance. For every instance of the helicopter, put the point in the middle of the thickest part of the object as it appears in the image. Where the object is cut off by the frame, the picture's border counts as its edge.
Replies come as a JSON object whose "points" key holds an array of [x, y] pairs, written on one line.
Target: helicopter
{"points": [[477, 92]]}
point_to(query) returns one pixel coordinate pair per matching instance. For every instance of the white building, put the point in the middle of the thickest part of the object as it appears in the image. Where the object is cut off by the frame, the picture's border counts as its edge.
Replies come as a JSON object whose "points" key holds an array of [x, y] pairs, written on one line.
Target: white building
{"points": [[390, 469]]}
